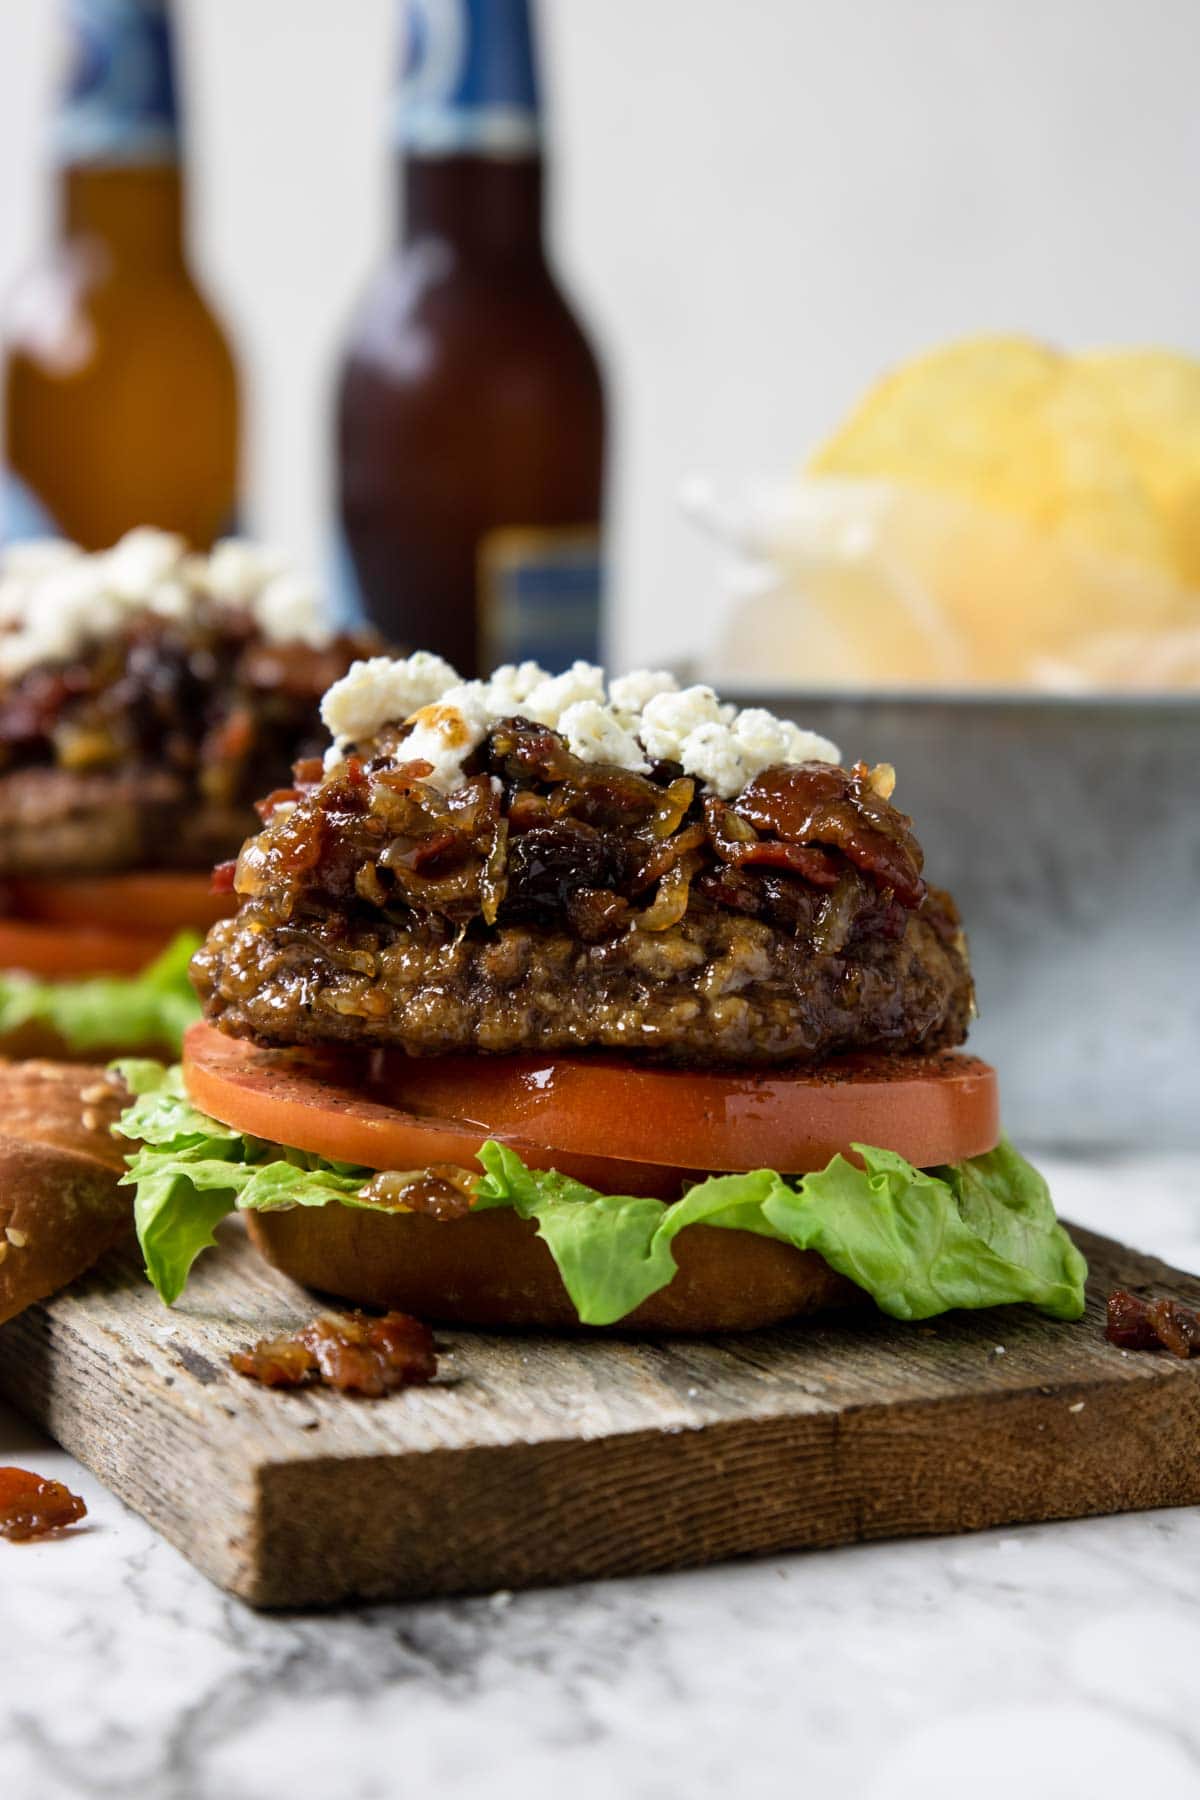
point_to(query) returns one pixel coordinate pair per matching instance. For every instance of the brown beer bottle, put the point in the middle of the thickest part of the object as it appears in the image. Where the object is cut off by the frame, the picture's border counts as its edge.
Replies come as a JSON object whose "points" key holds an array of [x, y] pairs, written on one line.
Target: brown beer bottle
{"points": [[471, 410], [121, 402]]}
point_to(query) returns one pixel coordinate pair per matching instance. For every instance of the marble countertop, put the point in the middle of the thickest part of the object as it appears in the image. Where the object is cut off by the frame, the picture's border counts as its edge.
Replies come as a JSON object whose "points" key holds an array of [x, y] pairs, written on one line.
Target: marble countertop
{"points": [[1048, 1661]]}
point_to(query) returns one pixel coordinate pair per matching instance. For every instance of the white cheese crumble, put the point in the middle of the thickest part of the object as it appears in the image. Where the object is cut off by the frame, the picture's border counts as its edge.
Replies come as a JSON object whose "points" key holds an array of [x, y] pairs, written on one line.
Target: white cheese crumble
{"points": [[595, 734], [642, 718], [554, 694], [629, 693], [383, 689], [57, 600]]}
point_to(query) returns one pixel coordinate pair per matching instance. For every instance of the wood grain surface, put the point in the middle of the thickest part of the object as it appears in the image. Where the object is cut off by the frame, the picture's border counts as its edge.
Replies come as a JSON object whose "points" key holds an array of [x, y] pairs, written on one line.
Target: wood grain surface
{"points": [[541, 1459]]}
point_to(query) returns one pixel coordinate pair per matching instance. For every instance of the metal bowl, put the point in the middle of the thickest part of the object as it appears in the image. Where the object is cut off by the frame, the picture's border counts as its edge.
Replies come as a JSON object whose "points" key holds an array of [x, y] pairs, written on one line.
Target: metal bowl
{"points": [[1068, 830]]}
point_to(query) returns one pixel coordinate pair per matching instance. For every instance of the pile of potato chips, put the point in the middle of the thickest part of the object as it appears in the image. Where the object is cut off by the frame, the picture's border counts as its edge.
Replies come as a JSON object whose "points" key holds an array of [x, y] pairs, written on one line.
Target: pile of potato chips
{"points": [[995, 513]]}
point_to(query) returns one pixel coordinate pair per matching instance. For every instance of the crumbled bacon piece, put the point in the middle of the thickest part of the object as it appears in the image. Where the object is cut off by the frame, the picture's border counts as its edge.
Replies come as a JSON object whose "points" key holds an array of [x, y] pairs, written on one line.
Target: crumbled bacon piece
{"points": [[738, 844], [281, 796], [276, 1362], [1136, 1324], [354, 1353], [32, 1507], [223, 877], [232, 739], [807, 803]]}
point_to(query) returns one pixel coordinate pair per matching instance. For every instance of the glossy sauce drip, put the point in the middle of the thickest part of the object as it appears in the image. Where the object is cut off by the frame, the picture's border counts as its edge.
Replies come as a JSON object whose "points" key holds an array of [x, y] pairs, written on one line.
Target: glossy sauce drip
{"points": [[442, 1191]]}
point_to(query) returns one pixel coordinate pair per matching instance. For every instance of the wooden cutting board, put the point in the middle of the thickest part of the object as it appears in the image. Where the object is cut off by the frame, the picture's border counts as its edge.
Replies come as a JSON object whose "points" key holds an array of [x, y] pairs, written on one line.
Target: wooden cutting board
{"points": [[540, 1459]]}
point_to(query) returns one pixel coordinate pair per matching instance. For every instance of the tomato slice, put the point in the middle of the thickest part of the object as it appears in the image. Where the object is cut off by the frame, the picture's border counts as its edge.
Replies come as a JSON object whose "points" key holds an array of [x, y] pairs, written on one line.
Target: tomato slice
{"points": [[159, 901], [60, 953], [313, 1100], [566, 1112]]}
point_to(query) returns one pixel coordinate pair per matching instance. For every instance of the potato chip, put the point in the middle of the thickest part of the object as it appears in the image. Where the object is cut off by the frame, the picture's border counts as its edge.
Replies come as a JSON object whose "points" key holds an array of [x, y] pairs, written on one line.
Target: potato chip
{"points": [[1005, 423], [1154, 396], [867, 583]]}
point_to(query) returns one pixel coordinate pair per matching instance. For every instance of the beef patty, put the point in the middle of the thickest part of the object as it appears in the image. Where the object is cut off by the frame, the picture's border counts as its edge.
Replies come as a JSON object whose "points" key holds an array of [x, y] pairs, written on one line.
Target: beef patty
{"points": [[549, 904], [715, 988]]}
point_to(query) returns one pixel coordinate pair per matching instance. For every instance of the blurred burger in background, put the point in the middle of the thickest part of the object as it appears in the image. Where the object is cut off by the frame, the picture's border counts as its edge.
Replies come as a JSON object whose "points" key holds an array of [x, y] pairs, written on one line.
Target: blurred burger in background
{"points": [[994, 514], [147, 696]]}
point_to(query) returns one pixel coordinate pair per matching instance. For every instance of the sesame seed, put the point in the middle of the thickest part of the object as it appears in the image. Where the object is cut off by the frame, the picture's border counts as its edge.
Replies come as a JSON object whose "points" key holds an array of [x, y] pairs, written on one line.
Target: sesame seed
{"points": [[96, 1094], [91, 1119], [18, 1239], [1078, 1406]]}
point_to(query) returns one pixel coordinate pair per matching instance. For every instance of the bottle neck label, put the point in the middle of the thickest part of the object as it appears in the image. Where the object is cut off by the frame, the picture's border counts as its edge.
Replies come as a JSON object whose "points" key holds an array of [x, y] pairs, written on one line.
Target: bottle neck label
{"points": [[470, 82], [119, 105]]}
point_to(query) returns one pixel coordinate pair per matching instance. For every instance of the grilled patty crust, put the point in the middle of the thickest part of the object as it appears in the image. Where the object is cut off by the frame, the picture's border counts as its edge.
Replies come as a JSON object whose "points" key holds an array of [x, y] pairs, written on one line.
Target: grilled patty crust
{"points": [[545, 903], [715, 988], [54, 820]]}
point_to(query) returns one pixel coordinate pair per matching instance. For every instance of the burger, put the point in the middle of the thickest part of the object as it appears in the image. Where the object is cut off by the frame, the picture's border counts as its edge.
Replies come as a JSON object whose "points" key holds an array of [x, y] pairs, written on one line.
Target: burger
{"points": [[147, 697], [552, 1002]]}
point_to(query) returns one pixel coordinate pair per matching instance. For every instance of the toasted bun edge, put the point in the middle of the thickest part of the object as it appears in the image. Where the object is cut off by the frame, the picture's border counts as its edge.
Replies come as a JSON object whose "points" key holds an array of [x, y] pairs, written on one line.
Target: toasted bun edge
{"points": [[493, 1270]]}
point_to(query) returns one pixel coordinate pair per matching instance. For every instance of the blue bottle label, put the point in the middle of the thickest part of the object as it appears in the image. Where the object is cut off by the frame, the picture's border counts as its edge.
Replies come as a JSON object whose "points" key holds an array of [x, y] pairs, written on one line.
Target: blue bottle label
{"points": [[539, 597], [23, 514], [348, 608], [119, 104], [470, 83]]}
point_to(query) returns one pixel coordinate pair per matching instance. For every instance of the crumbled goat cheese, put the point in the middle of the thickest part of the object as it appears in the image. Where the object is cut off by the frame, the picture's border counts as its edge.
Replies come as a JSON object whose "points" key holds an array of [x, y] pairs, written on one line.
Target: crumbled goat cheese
{"points": [[549, 700], [290, 608], [383, 690], [762, 739], [667, 720], [512, 683], [711, 753], [629, 693], [594, 734], [644, 718], [143, 562], [56, 600], [237, 570], [444, 735]]}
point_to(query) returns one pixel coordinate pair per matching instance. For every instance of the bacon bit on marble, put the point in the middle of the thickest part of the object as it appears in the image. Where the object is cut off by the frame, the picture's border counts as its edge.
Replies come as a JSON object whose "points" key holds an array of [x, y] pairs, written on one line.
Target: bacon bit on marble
{"points": [[32, 1507]]}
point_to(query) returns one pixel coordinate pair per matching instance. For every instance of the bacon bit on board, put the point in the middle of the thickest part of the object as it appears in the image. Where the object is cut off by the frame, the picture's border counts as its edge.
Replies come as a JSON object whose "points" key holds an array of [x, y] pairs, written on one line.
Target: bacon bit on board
{"points": [[1135, 1324], [32, 1507], [354, 1353]]}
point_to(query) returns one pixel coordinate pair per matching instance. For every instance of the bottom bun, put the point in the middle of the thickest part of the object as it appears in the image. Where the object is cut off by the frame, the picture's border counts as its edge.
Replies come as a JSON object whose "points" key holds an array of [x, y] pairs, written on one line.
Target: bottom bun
{"points": [[493, 1269]]}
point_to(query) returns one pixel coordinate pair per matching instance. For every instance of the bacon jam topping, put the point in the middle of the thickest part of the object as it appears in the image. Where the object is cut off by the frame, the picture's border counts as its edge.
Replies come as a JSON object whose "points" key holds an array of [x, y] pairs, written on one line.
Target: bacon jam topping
{"points": [[147, 697], [351, 1352], [535, 834]]}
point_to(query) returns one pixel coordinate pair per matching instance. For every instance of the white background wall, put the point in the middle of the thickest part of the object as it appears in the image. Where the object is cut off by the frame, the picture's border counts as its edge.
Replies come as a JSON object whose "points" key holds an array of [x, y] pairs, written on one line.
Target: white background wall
{"points": [[759, 203]]}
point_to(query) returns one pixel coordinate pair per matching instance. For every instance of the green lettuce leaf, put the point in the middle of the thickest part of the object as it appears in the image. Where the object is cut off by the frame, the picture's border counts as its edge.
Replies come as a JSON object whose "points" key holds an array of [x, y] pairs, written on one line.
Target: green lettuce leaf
{"points": [[899, 1232], [920, 1242], [613, 1252], [191, 1172], [109, 1011], [908, 1236]]}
